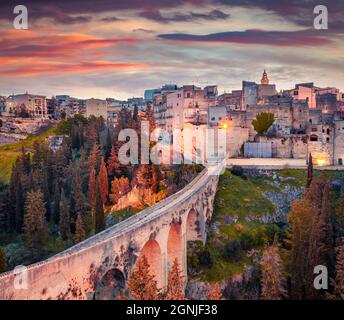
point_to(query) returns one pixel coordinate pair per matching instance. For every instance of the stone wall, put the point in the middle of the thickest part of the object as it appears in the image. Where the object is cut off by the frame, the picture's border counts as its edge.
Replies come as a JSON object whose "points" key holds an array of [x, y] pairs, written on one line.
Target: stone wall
{"points": [[289, 147]]}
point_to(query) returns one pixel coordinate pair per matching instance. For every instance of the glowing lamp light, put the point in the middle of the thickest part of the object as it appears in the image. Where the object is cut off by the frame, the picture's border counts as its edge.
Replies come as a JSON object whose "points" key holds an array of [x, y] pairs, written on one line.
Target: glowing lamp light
{"points": [[321, 162], [225, 126]]}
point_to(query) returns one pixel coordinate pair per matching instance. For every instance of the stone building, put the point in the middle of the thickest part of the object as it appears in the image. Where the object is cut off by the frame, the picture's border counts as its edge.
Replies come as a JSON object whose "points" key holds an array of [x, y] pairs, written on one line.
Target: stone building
{"points": [[231, 100], [254, 93], [97, 108], [308, 119], [185, 107], [2, 104], [70, 107], [326, 99], [34, 105]]}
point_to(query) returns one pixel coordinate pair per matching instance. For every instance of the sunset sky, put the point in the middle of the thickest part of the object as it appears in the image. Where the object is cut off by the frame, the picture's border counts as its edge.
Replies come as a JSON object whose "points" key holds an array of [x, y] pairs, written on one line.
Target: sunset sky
{"points": [[119, 48]]}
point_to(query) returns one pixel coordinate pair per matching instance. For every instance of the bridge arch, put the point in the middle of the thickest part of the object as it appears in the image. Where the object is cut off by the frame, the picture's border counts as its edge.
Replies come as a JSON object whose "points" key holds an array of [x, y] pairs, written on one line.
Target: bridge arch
{"points": [[151, 250], [193, 226], [175, 245], [110, 286]]}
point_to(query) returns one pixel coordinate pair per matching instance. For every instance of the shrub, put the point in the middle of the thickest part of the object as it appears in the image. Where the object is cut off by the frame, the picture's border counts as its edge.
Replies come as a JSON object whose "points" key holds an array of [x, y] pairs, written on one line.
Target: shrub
{"points": [[247, 241], [232, 250], [205, 259], [238, 171]]}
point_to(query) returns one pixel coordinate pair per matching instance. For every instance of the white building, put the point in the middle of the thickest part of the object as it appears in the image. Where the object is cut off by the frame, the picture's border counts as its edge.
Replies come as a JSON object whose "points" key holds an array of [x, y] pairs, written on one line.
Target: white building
{"points": [[34, 105], [97, 108]]}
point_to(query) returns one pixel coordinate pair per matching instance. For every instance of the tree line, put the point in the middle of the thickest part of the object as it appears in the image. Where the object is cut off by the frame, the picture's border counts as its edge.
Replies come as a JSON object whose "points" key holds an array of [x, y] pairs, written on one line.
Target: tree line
{"points": [[67, 193]]}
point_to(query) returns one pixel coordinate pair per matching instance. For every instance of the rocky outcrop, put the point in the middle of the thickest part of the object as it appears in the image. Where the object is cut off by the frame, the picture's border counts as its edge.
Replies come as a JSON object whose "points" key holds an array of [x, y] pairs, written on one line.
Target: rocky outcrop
{"points": [[6, 138]]}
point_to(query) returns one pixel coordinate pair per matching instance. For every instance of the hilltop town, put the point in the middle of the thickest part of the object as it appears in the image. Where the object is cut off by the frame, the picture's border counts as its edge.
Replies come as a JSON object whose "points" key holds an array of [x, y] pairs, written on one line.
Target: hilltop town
{"points": [[307, 119]]}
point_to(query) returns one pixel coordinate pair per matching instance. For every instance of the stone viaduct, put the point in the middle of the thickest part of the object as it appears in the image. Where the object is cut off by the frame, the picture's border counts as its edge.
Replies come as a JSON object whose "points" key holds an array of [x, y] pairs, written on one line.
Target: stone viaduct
{"points": [[98, 268]]}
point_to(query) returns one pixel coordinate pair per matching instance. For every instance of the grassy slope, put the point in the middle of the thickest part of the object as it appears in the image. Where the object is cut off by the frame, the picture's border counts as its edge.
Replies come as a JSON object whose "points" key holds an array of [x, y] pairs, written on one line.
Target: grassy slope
{"points": [[237, 197], [10, 152]]}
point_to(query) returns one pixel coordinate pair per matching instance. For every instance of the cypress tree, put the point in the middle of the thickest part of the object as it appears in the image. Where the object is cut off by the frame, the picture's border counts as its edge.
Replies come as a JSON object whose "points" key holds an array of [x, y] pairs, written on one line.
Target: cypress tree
{"points": [[64, 224], [103, 182], [3, 263], [311, 238], [321, 238], [113, 164], [80, 234], [92, 185], [94, 157], [142, 284], [175, 287], [214, 292], [309, 171], [19, 207], [56, 207], [108, 144], [338, 282], [36, 232], [78, 201], [99, 212], [272, 274]]}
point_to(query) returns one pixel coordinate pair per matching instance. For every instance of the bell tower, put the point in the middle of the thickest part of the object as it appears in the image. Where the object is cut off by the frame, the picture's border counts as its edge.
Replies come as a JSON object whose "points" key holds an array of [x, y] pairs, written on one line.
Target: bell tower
{"points": [[265, 79]]}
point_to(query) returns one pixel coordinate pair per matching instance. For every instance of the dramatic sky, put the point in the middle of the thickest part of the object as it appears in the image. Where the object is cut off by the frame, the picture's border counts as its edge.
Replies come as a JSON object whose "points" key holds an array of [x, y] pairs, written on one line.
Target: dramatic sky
{"points": [[118, 48]]}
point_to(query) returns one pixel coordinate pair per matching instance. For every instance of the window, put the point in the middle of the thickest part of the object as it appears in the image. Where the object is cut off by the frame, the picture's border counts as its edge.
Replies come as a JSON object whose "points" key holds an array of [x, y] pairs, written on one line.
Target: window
{"points": [[213, 118], [314, 138], [328, 131], [310, 120], [328, 140]]}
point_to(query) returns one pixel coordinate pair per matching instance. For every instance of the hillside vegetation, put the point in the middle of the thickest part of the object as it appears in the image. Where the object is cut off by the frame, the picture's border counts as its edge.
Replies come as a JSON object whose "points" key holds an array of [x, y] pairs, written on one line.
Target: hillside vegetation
{"points": [[10, 152]]}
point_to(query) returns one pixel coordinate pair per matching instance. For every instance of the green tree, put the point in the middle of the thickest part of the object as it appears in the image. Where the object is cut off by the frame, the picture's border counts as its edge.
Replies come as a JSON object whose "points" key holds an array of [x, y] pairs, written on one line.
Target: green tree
{"points": [[64, 224], [99, 212], [309, 171], [36, 231], [78, 199], [263, 122], [3, 263], [108, 144], [56, 207], [19, 207], [340, 210], [80, 234]]}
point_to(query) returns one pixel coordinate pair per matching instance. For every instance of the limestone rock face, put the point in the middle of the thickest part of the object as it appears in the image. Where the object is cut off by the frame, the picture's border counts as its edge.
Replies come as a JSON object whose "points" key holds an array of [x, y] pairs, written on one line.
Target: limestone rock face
{"points": [[132, 199]]}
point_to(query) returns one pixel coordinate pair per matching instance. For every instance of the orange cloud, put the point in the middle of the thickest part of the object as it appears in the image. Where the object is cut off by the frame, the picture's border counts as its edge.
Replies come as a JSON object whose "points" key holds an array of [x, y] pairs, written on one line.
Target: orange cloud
{"points": [[54, 46], [62, 68]]}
